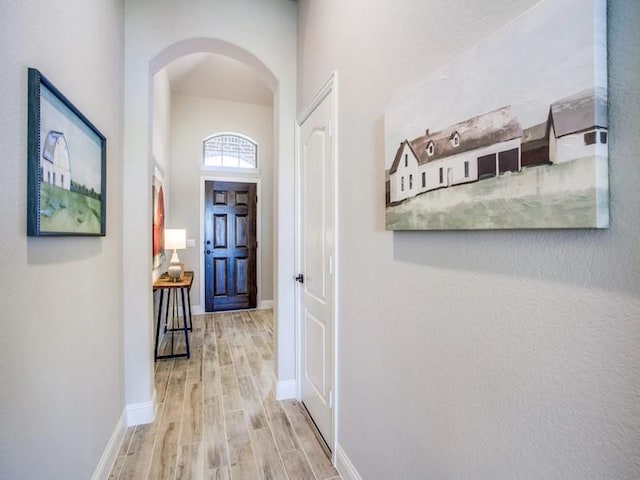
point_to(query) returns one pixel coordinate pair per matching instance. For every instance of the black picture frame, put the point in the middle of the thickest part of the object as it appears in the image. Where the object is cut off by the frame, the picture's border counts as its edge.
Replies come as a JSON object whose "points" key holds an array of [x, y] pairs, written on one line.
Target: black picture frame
{"points": [[66, 162]]}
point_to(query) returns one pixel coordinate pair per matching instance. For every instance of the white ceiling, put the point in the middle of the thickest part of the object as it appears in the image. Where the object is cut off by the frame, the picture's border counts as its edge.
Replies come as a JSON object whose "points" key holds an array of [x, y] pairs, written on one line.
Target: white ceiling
{"points": [[217, 76]]}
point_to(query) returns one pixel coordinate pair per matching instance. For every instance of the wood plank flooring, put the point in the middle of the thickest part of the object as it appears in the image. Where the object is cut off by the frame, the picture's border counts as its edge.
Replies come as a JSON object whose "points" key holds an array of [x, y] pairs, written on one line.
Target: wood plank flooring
{"points": [[218, 418]]}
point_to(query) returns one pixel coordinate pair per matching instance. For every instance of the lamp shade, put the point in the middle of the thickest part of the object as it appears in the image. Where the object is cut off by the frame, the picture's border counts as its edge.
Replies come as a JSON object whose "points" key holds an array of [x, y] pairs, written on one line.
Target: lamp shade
{"points": [[175, 238]]}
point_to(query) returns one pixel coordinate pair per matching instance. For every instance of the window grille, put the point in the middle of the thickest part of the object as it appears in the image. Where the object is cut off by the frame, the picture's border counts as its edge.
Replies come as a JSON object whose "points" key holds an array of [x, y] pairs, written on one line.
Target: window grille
{"points": [[231, 151]]}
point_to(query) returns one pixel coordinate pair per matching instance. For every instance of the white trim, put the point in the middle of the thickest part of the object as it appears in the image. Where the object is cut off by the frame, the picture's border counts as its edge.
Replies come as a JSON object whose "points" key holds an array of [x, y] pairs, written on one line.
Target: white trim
{"points": [[110, 453], [218, 177], [141, 413], [331, 85], [336, 260], [286, 389], [231, 170], [197, 310], [328, 86], [265, 304], [344, 465], [234, 134]]}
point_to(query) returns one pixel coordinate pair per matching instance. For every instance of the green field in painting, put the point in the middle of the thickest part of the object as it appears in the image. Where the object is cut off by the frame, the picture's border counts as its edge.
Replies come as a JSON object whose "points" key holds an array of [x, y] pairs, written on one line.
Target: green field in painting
{"points": [[548, 196], [529, 212], [68, 212]]}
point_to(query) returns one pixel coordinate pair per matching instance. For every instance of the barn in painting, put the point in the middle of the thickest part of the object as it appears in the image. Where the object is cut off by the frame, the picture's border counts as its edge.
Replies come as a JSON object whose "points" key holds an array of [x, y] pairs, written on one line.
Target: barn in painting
{"points": [[494, 143], [577, 126], [55, 165], [479, 147]]}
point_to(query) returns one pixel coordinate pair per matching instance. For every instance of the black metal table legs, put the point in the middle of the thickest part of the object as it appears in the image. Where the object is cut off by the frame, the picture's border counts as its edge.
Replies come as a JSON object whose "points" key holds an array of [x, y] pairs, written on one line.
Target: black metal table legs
{"points": [[187, 324]]}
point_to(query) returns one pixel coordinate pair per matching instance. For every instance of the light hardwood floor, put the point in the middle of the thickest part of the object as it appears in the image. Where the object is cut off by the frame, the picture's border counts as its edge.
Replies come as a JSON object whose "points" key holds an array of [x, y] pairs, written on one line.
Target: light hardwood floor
{"points": [[218, 418]]}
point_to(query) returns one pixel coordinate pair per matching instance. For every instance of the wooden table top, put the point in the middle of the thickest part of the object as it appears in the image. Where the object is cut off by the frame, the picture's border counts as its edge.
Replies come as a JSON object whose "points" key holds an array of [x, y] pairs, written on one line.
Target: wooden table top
{"points": [[165, 281]]}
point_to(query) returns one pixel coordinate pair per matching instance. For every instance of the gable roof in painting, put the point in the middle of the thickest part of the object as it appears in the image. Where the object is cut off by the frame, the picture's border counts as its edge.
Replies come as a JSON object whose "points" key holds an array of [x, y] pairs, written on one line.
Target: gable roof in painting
{"points": [[579, 112], [396, 161], [535, 137], [50, 143], [483, 130]]}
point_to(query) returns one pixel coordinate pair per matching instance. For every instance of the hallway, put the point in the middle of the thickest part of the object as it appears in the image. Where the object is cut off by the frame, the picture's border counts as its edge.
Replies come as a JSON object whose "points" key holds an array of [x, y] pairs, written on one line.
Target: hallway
{"points": [[217, 414]]}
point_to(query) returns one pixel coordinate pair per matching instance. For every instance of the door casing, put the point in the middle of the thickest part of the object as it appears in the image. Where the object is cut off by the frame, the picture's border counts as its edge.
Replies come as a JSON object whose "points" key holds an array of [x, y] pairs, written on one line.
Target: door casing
{"points": [[330, 86], [238, 179]]}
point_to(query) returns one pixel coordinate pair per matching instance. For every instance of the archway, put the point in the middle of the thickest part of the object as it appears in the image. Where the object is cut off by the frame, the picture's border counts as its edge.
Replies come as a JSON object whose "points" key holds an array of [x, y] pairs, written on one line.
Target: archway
{"points": [[213, 45], [138, 301]]}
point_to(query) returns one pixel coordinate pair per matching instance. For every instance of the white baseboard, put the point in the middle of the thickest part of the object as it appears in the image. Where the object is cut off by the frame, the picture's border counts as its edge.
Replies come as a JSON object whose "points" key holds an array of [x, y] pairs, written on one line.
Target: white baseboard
{"points": [[141, 413], [345, 467], [265, 304], [197, 310], [286, 389], [111, 450]]}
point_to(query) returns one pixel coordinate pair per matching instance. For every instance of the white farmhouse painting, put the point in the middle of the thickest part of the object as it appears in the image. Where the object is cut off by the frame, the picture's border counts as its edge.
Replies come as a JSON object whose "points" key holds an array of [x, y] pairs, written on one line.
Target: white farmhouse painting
{"points": [[511, 135]]}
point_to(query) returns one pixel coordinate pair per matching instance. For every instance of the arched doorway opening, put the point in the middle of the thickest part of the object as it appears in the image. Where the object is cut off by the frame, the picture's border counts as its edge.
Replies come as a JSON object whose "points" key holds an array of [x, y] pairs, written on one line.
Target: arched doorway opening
{"points": [[139, 166], [213, 124]]}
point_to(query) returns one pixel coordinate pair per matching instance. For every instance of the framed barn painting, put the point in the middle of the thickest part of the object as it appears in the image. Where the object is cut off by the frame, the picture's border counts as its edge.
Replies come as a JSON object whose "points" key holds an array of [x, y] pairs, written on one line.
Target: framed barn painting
{"points": [[158, 218], [66, 177], [512, 135]]}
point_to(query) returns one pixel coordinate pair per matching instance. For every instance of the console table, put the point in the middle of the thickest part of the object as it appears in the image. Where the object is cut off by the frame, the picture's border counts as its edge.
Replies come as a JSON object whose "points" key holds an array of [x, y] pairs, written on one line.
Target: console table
{"points": [[178, 294]]}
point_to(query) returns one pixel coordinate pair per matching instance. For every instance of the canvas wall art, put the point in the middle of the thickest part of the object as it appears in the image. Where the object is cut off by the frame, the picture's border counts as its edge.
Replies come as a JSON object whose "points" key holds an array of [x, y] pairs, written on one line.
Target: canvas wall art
{"points": [[66, 181], [511, 135], [158, 218]]}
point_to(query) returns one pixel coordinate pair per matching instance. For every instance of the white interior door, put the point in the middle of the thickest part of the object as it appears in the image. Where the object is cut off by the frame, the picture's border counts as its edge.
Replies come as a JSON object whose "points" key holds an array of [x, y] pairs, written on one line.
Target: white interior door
{"points": [[316, 258]]}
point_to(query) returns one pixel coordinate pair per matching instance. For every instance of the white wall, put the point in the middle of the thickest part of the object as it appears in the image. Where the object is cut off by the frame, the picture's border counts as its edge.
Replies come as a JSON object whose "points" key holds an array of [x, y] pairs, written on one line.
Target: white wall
{"points": [[161, 144], [260, 33], [194, 119], [488, 355], [161, 120], [61, 347]]}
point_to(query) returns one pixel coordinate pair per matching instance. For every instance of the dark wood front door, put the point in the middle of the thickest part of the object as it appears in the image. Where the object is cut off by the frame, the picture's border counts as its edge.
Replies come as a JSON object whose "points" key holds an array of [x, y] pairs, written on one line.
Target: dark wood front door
{"points": [[230, 246]]}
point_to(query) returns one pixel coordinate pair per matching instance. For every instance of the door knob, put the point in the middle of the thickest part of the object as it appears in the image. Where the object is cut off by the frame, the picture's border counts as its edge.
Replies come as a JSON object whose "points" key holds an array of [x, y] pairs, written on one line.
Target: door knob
{"points": [[300, 278]]}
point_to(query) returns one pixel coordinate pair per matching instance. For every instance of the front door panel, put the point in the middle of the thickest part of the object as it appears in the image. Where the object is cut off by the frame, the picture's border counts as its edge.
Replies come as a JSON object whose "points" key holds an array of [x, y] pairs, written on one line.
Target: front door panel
{"points": [[230, 246]]}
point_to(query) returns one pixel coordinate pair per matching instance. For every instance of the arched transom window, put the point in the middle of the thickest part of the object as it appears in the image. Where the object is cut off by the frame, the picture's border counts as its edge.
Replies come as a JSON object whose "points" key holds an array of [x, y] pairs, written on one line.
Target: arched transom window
{"points": [[230, 150]]}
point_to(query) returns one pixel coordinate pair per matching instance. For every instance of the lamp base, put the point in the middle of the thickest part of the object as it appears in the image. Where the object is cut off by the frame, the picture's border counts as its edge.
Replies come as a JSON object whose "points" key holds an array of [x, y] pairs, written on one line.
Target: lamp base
{"points": [[175, 271], [175, 267]]}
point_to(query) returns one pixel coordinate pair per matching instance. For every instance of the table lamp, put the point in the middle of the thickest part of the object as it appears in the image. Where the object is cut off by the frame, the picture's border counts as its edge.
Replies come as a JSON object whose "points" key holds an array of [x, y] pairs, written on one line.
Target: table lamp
{"points": [[175, 239]]}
